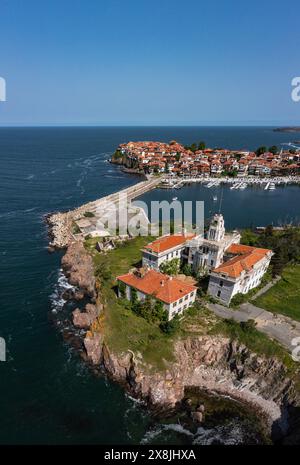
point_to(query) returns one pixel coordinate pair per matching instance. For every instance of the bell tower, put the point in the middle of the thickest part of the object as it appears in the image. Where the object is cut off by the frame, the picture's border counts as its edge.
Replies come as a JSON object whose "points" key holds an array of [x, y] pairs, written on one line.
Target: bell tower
{"points": [[216, 230]]}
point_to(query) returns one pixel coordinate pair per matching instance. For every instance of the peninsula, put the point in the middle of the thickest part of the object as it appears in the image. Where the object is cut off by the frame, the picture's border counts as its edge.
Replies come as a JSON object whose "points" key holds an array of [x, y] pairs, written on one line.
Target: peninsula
{"points": [[169, 344]]}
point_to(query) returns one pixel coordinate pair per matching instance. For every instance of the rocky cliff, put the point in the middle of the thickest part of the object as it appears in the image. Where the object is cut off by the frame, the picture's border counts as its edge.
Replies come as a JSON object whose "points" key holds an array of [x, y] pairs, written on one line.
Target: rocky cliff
{"points": [[78, 267], [208, 363]]}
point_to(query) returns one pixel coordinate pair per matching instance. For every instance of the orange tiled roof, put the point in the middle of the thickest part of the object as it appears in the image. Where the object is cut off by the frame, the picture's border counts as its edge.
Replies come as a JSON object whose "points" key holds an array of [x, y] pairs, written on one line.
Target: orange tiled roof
{"points": [[246, 258], [161, 286], [168, 242]]}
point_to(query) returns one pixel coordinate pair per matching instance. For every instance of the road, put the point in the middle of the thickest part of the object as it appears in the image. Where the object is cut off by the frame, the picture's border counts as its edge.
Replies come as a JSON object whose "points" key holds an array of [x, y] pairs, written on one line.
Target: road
{"points": [[278, 327]]}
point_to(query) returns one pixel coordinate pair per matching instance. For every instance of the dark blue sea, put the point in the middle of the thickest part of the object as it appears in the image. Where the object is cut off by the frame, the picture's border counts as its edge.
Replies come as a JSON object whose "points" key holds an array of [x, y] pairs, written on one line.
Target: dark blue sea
{"points": [[47, 394]]}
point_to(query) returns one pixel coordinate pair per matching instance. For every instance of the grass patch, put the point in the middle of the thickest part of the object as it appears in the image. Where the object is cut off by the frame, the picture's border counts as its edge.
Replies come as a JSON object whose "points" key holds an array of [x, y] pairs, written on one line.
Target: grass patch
{"points": [[284, 296], [123, 329]]}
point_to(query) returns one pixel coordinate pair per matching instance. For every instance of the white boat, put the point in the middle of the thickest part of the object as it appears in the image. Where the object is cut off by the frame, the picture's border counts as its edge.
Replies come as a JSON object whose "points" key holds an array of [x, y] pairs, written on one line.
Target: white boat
{"points": [[272, 186], [174, 198], [215, 198], [267, 186]]}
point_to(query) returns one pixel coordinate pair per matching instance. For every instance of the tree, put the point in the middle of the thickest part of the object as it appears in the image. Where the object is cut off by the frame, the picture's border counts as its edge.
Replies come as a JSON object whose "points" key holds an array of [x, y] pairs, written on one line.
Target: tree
{"points": [[201, 145], [178, 155], [273, 149], [170, 327], [159, 313], [122, 288], [249, 237], [269, 230], [261, 150], [134, 297], [187, 269], [171, 267]]}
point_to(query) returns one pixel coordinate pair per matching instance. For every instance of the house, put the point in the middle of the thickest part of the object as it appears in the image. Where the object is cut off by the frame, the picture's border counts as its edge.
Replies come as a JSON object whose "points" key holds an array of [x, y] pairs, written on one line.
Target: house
{"points": [[241, 271], [175, 295], [166, 248]]}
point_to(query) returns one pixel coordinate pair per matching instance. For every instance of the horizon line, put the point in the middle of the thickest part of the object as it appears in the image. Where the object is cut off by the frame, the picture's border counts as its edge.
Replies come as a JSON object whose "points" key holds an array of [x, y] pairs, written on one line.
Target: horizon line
{"points": [[73, 125]]}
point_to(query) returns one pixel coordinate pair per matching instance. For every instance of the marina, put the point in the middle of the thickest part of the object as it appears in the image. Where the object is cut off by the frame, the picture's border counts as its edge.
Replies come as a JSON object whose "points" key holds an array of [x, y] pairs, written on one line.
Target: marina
{"points": [[240, 183]]}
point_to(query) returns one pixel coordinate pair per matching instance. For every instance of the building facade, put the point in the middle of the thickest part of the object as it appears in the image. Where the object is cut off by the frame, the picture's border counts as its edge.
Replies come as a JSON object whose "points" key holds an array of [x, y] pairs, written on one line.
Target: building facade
{"points": [[205, 253], [175, 295], [166, 248], [242, 270]]}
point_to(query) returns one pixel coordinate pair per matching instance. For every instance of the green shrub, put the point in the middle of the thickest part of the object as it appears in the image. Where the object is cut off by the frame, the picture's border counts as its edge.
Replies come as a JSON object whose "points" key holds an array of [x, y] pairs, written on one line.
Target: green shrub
{"points": [[172, 326], [88, 214]]}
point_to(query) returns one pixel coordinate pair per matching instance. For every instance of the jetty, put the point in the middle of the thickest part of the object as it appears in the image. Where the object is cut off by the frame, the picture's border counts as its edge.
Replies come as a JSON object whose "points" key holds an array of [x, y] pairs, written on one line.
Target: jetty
{"points": [[65, 227]]}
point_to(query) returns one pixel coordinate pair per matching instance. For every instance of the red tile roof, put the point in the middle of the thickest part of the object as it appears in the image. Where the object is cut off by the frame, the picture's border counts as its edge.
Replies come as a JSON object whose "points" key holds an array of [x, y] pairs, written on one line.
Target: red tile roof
{"points": [[161, 286], [246, 258], [168, 242]]}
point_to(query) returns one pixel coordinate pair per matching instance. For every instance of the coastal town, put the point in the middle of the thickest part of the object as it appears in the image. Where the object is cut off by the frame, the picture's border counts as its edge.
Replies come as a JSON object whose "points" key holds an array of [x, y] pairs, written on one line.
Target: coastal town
{"points": [[196, 160]]}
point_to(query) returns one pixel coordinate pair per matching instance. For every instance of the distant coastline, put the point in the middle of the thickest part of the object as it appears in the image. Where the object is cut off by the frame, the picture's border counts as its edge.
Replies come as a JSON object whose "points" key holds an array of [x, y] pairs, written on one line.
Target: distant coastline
{"points": [[287, 129]]}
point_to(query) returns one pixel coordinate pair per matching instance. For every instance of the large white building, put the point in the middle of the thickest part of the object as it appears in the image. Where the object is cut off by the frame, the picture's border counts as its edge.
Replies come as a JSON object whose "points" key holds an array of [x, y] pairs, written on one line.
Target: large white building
{"points": [[233, 268], [242, 270], [166, 248], [205, 253]]}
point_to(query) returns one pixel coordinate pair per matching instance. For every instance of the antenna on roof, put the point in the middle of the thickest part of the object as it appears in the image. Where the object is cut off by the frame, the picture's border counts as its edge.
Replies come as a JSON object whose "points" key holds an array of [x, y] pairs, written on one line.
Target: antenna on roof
{"points": [[221, 199]]}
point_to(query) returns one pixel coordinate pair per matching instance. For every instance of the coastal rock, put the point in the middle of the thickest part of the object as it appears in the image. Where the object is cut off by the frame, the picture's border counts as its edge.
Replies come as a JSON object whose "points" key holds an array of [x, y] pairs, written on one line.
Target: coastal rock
{"points": [[78, 267], [197, 417], [93, 346], [85, 319]]}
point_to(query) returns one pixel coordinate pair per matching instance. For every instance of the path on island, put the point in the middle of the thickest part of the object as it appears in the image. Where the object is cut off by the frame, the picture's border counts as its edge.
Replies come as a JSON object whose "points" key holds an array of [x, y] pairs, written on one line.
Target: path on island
{"points": [[279, 327]]}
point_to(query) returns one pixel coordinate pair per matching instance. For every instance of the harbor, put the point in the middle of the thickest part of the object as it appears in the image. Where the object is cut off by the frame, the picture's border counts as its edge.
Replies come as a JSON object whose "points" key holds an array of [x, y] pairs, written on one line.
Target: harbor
{"points": [[238, 183]]}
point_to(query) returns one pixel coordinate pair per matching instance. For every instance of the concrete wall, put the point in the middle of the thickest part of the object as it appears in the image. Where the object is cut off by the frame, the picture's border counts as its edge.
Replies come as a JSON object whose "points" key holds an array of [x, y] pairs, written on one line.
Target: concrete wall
{"points": [[154, 261], [227, 290]]}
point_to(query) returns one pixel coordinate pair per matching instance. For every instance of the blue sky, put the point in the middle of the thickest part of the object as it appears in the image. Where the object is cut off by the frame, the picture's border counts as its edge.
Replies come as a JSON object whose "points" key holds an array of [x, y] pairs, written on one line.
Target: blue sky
{"points": [[149, 62]]}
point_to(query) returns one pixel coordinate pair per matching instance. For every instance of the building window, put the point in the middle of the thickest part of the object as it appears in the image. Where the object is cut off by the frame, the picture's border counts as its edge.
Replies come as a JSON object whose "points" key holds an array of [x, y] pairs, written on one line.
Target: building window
{"points": [[185, 307], [221, 283], [219, 293], [180, 301], [211, 262], [186, 297], [174, 304]]}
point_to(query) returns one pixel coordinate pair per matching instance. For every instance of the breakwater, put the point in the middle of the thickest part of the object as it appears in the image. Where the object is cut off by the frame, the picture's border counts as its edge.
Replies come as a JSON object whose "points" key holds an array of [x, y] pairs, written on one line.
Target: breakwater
{"points": [[61, 223]]}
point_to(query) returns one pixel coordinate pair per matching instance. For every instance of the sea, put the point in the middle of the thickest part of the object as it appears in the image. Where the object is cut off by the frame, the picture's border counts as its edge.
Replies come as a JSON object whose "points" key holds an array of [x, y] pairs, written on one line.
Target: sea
{"points": [[48, 395]]}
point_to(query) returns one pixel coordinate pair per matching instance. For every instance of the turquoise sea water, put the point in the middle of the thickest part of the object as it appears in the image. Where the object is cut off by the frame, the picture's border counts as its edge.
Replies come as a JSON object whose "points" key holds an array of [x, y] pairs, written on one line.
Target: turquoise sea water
{"points": [[47, 394]]}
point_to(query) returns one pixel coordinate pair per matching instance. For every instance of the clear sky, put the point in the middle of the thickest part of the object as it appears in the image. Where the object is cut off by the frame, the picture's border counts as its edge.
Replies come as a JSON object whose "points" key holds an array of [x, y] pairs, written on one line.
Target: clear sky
{"points": [[149, 61]]}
